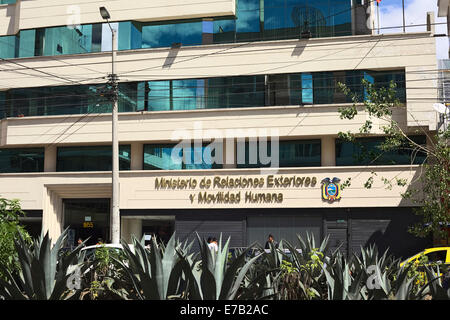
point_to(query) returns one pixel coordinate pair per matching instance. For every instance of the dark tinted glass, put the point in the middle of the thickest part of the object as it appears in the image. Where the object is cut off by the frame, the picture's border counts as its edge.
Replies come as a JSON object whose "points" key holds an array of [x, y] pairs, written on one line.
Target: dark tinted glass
{"points": [[298, 153], [172, 157], [366, 151], [21, 160], [91, 158]]}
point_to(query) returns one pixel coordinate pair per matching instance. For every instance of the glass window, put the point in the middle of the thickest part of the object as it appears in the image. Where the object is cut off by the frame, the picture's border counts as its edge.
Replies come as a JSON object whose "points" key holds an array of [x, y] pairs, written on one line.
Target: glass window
{"points": [[130, 35], [255, 20], [295, 89], [224, 31], [60, 40], [248, 24], [27, 43], [162, 157], [304, 153], [246, 91], [191, 94], [295, 18], [58, 100], [91, 158], [437, 256], [297, 153], [8, 46], [307, 88], [176, 157], [159, 95], [21, 160], [164, 35], [278, 90], [367, 151], [128, 96], [384, 78], [323, 86], [188, 94]]}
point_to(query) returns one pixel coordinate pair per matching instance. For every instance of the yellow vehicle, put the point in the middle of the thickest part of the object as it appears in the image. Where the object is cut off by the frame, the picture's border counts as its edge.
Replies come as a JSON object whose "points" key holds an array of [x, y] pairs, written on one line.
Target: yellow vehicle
{"points": [[435, 255]]}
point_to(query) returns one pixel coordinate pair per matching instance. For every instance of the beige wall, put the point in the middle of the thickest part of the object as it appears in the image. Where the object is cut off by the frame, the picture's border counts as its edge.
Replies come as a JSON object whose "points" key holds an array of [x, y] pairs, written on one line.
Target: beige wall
{"points": [[48, 13], [8, 25], [163, 126], [46, 191], [137, 188]]}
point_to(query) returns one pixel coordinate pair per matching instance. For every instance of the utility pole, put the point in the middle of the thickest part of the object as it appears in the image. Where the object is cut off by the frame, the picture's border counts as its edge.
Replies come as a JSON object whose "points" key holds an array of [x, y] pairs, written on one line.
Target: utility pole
{"points": [[378, 16], [403, 6], [115, 214]]}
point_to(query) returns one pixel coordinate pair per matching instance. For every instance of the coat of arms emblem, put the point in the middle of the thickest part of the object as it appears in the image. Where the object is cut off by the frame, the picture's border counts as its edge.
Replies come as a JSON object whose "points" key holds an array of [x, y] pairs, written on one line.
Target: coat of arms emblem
{"points": [[331, 189]]}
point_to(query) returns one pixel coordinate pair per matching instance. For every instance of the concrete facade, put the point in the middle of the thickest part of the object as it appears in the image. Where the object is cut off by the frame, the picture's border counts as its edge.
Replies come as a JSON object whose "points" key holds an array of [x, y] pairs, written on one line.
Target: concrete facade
{"points": [[413, 52]]}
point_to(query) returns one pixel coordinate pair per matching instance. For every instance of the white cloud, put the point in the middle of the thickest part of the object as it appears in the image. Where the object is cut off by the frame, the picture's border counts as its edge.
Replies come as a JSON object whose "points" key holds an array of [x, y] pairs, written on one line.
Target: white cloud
{"points": [[415, 14]]}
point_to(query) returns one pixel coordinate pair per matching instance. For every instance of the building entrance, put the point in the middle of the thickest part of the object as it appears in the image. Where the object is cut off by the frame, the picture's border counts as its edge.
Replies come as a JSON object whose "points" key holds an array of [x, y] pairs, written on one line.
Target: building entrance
{"points": [[160, 227], [87, 219]]}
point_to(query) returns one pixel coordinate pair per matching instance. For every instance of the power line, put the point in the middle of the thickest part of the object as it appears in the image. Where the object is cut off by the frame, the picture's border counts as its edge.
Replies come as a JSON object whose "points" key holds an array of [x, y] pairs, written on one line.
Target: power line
{"points": [[37, 70], [196, 56]]}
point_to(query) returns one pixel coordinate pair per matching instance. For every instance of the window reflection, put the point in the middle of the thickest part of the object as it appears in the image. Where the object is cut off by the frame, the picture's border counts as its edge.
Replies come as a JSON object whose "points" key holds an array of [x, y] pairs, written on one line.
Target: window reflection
{"points": [[296, 153], [191, 94], [367, 151], [182, 157], [91, 158], [255, 20], [21, 160]]}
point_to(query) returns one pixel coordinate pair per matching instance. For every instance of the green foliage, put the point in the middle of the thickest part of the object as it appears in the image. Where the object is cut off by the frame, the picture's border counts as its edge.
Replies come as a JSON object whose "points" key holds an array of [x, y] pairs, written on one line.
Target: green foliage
{"points": [[154, 273], [434, 204], [10, 230], [45, 270], [106, 276], [169, 272], [219, 280], [433, 196], [309, 272]]}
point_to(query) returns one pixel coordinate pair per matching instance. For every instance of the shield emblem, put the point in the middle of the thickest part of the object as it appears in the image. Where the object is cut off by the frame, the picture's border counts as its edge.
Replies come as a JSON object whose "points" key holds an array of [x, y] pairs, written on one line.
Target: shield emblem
{"points": [[331, 189]]}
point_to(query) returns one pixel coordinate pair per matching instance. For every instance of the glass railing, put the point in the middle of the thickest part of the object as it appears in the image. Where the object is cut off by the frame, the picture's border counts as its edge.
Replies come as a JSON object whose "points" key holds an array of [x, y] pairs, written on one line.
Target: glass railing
{"points": [[191, 94]]}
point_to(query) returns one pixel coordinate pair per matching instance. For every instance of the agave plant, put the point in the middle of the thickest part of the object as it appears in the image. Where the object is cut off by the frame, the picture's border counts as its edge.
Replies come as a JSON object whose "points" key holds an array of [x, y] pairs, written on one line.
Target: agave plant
{"points": [[155, 273], [308, 280], [262, 280], [435, 286], [212, 277], [340, 283], [44, 271]]}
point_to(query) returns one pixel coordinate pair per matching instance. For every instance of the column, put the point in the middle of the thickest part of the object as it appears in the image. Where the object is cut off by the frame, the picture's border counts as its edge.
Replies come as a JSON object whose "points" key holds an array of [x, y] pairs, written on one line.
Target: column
{"points": [[137, 156], [328, 152], [50, 158]]}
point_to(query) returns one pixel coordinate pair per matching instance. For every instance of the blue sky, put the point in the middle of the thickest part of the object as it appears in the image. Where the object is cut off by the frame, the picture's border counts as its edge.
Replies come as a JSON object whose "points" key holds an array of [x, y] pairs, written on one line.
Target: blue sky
{"points": [[415, 13]]}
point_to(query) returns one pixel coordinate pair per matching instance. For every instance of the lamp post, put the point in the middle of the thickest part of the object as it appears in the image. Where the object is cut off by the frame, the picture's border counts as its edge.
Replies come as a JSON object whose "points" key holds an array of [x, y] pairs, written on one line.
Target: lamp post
{"points": [[115, 215]]}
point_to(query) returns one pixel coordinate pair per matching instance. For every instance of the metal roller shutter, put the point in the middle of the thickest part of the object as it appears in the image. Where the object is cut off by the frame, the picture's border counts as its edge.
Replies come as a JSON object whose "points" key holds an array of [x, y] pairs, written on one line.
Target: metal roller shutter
{"points": [[366, 231], [283, 227], [186, 228]]}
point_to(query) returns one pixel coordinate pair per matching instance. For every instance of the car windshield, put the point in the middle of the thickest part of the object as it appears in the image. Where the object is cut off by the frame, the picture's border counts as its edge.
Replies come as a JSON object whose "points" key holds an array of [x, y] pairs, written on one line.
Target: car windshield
{"points": [[437, 256]]}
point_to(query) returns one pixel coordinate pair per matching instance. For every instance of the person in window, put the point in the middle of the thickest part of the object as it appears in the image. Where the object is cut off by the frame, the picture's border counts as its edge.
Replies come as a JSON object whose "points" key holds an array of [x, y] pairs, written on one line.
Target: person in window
{"points": [[271, 240], [213, 245]]}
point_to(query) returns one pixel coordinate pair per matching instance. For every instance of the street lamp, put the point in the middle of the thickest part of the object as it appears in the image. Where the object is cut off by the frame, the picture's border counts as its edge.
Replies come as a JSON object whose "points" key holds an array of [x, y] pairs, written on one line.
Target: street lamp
{"points": [[115, 215]]}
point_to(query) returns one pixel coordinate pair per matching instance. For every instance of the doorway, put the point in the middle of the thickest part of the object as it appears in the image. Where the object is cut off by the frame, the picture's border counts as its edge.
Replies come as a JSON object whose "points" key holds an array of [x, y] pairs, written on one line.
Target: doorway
{"points": [[162, 229], [87, 219]]}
